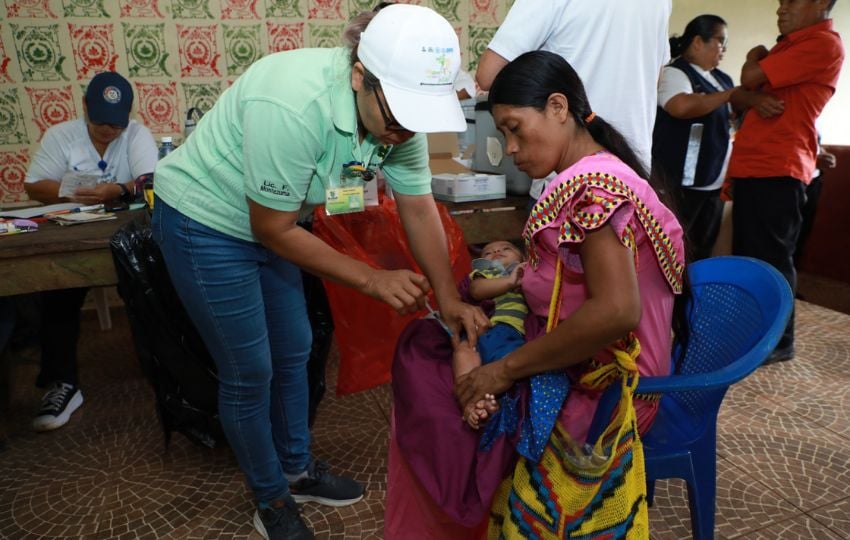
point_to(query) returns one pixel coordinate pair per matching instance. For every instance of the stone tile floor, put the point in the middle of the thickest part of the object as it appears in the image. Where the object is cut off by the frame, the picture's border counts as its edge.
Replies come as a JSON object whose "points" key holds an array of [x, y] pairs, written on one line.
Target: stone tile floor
{"points": [[783, 454]]}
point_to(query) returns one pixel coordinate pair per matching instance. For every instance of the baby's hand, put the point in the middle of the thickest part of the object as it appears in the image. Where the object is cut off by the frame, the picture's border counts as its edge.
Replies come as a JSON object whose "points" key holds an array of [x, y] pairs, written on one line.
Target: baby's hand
{"points": [[516, 275]]}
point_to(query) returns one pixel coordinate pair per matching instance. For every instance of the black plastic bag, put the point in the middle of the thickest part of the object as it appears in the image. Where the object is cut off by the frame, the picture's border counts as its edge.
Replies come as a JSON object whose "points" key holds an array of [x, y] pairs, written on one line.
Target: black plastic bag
{"points": [[322, 325], [173, 356]]}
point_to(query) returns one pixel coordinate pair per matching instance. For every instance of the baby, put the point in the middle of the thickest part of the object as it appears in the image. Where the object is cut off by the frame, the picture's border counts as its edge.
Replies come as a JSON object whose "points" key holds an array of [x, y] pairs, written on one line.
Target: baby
{"points": [[497, 275]]}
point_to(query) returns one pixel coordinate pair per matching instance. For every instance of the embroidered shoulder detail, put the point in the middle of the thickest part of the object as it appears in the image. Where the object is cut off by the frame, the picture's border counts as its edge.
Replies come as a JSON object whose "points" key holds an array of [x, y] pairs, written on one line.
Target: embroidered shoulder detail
{"points": [[614, 194]]}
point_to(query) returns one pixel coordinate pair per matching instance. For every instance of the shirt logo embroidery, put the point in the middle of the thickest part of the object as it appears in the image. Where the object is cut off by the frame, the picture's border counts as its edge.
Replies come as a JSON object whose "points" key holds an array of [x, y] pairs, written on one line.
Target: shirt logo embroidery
{"points": [[269, 187]]}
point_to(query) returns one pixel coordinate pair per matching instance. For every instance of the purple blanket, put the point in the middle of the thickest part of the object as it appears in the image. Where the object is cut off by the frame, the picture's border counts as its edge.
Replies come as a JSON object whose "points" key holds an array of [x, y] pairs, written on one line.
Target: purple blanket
{"points": [[436, 443]]}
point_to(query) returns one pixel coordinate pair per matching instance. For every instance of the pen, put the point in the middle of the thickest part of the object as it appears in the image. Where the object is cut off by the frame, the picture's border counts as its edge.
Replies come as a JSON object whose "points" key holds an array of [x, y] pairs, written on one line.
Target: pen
{"points": [[90, 208]]}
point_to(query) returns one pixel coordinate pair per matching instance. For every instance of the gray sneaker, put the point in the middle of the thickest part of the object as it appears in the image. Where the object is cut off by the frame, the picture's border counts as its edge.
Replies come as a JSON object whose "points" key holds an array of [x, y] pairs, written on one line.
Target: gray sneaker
{"points": [[325, 488], [281, 520]]}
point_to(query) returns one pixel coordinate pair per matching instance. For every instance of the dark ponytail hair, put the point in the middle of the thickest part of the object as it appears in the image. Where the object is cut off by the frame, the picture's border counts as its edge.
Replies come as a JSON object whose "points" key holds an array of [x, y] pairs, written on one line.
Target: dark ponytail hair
{"points": [[703, 27], [528, 81]]}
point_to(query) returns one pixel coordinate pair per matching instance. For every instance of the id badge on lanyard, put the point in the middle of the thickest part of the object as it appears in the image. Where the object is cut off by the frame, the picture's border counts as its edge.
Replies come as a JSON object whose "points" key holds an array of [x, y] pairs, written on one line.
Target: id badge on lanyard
{"points": [[345, 195]]}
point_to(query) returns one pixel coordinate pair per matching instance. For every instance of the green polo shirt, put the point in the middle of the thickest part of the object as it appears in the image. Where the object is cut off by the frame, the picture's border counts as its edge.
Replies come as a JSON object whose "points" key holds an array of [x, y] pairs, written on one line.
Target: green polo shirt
{"points": [[280, 135]]}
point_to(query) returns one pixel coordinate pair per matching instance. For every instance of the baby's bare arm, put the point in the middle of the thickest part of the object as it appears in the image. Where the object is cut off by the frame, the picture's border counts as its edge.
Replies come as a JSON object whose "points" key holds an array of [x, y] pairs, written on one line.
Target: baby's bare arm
{"points": [[484, 289]]}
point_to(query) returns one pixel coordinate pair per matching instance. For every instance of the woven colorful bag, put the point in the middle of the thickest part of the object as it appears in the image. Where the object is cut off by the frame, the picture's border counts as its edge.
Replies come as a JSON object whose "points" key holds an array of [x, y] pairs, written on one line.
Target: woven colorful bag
{"points": [[596, 491]]}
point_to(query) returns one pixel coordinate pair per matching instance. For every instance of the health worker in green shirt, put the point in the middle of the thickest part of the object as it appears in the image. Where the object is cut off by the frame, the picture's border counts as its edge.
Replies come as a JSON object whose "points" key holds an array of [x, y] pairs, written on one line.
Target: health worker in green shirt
{"points": [[298, 129]]}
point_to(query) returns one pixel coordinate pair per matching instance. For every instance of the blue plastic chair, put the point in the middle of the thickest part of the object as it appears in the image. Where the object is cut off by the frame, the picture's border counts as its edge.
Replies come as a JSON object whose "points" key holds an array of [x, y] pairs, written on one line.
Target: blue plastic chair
{"points": [[739, 310]]}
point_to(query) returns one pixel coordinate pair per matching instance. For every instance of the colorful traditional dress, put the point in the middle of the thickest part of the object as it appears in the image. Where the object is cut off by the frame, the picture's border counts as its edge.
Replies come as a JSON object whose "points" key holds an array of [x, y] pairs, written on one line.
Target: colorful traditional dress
{"points": [[599, 190], [440, 485]]}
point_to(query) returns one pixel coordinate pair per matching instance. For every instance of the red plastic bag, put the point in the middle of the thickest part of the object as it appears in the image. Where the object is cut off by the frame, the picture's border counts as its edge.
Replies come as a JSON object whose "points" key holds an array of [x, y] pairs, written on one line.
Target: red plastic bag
{"points": [[366, 330]]}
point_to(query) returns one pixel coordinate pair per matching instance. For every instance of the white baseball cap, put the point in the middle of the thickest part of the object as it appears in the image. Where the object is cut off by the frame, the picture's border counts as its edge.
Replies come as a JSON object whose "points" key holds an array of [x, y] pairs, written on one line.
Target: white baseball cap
{"points": [[415, 54]]}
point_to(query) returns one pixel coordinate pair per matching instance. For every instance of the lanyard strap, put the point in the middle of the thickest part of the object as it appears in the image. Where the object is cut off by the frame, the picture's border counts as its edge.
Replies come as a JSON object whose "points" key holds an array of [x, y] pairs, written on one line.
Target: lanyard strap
{"points": [[555, 302]]}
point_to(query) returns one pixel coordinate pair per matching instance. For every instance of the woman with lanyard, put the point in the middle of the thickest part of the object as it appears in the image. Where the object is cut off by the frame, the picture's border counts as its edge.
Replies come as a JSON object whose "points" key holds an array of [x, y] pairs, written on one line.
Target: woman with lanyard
{"points": [[298, 129], [691, 142]]}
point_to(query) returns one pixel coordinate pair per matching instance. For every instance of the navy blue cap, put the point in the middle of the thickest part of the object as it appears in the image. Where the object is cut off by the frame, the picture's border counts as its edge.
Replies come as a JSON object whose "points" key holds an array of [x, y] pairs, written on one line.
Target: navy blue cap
{"points": [[109, 98]]}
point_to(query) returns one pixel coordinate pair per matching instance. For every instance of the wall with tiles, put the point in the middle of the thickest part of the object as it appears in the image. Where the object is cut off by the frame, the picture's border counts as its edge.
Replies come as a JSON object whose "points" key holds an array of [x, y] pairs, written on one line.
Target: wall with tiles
{"points": [[183, 53], [176, 53]]}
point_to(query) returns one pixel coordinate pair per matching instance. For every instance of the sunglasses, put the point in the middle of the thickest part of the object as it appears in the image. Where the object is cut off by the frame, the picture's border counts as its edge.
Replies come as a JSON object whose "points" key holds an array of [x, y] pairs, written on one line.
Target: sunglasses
{"points": [[390, 124]]}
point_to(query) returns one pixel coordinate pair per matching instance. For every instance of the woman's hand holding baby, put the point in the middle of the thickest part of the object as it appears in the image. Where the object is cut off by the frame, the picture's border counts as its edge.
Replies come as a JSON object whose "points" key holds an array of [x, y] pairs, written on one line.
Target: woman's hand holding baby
{"points": [[475, 386], [464, 318]]}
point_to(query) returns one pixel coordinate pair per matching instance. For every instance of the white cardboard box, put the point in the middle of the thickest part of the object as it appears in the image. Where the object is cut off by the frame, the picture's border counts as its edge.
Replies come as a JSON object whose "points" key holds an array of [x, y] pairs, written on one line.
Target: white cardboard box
{"points": [[464, 187]]}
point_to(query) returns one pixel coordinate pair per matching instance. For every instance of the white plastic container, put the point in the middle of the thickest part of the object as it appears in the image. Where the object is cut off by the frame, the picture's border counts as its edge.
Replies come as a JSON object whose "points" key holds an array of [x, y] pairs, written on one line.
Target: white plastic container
{"points": [[490, 155], [464, 187]]}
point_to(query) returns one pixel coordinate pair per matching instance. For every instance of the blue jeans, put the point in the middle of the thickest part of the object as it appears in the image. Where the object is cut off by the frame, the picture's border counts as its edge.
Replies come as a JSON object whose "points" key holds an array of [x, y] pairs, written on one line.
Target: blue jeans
{"points": [[248, 305]]}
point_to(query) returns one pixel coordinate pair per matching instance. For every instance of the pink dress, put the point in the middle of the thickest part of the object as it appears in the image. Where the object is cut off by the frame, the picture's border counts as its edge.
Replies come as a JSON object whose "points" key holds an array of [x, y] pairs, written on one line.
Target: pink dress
{"points": [[439, 485], [599, 190]]}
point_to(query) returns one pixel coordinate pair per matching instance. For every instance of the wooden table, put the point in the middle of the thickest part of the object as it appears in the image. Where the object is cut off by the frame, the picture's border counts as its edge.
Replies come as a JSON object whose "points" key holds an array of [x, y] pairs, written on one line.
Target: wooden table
{"points": [[485, 221], [58, 257]]}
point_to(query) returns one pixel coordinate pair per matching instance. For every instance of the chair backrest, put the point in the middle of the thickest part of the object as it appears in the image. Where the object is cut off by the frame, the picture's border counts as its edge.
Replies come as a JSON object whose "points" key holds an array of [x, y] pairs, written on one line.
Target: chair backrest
{"points": [[739, 310]]}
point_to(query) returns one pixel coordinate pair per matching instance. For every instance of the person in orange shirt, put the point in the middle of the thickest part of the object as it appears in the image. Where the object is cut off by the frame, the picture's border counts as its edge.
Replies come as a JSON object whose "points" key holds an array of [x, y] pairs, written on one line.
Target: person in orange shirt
{"points": [[773, 158]]}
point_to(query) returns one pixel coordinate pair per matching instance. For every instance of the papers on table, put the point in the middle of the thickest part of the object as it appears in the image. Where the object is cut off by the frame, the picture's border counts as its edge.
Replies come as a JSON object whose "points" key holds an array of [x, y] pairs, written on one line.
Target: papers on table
{"points": [[75, 179], [76, 218], [29, 213]]}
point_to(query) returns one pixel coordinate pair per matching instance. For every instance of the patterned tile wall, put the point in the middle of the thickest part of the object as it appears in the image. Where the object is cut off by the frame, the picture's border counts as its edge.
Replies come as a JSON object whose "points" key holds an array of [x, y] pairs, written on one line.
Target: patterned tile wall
{"points": [[176, 53]]}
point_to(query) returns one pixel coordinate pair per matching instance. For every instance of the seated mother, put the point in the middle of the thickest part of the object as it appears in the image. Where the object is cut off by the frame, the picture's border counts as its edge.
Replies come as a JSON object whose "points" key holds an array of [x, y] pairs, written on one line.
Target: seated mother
{"points": [[622, 258]]}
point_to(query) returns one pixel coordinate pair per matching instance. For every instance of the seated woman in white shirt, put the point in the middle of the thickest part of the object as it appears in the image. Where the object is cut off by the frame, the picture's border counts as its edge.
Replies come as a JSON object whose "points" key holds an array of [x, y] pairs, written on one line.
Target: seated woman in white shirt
{"points": [[104, 146]]}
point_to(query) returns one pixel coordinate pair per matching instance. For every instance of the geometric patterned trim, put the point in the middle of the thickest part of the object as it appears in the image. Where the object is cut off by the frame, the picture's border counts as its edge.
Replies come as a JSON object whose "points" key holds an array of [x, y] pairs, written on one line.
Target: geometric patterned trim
{"points": [[591, 209]]}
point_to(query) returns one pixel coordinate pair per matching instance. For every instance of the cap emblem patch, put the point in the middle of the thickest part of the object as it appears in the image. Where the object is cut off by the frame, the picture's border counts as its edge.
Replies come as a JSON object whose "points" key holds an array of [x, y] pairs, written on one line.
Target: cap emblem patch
{"points": [[111, 95], [440, 74]]}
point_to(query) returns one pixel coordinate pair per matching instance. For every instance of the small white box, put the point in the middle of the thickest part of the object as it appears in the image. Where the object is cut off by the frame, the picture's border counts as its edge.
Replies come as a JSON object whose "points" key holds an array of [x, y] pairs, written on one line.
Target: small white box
{"points": [[470, 186]]}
